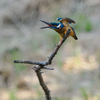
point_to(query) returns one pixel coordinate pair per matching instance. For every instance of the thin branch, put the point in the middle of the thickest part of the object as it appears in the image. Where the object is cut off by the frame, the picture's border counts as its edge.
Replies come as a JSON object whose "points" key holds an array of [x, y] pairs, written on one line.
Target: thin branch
{"points": [[42, 83], [57, 47], [28, 62], [41, 65], [48, 68]]}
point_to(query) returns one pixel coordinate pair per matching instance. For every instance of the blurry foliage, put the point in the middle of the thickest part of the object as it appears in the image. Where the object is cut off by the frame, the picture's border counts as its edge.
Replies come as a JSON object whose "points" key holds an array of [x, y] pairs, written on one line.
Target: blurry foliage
{"points": [[57, 14], [84, 93], [16, 54], [52, 38], [58, 98], [35, 45], [98, 56], [88, 26], [19, 68], [59, 60], [77, 52], [83, 23], [39, 93], [12, 96]]}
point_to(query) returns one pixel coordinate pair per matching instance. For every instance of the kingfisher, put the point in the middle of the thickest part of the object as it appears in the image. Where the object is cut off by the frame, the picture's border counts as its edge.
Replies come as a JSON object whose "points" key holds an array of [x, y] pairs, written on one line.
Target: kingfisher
{"points": [[61, 27]]}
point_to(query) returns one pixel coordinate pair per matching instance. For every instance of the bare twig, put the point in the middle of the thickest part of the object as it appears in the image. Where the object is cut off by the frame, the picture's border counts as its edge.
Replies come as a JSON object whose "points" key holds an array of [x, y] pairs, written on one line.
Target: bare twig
{"points": [[41, 65], [42, 83]]}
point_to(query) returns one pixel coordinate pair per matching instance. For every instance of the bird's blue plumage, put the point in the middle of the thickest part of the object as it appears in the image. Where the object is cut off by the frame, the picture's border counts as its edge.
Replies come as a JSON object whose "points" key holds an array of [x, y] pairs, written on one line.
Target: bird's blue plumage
{"points": [[62, 25], [57, 25], [59, 19]]}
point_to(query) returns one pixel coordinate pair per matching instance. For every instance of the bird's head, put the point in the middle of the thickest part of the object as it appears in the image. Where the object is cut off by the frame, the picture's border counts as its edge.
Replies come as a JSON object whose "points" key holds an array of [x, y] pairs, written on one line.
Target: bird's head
{"points": [[51, 25], [58, 19]]}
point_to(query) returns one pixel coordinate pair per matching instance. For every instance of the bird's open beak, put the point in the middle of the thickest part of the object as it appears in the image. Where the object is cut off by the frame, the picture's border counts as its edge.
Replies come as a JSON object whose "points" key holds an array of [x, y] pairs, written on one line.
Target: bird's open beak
{"points": [[49, 26]]}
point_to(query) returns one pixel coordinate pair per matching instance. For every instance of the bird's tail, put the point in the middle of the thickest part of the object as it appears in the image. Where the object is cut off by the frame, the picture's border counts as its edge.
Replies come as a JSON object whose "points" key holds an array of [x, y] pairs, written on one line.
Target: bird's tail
{"points": [[75, 37], [74, 34]]}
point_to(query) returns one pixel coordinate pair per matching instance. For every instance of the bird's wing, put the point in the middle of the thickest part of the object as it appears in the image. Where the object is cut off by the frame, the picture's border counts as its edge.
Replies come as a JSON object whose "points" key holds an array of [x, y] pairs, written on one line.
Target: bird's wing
{"points": [[66, 20]]}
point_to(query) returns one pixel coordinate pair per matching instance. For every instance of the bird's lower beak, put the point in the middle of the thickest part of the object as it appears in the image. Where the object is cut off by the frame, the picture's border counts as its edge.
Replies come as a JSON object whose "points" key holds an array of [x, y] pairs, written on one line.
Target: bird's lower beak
{"points": [[45, 23], [44, 27]]}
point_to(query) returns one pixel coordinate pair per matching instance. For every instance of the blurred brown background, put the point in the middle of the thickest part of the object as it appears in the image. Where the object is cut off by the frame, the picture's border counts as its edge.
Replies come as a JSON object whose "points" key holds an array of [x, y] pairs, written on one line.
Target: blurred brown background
{"points": [[76, 74]]}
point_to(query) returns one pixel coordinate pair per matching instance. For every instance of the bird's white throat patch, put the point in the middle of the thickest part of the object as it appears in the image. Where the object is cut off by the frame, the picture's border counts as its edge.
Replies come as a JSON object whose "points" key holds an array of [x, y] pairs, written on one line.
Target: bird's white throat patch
{"points": [[58, 25]]}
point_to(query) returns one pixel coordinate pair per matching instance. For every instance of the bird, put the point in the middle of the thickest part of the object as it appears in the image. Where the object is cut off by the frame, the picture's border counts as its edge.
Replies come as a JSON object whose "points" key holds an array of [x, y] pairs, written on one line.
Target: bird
{"points": [[61, 27]]}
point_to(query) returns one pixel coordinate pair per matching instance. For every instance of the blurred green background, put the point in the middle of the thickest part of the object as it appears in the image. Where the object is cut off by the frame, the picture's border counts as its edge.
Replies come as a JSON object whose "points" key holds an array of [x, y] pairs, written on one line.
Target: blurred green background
{"points": [[76, 74]]}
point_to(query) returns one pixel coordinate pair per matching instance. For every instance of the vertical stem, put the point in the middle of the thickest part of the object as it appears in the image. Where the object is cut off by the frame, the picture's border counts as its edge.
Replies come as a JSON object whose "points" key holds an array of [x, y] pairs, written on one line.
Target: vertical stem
{"points": [[43, 85]]}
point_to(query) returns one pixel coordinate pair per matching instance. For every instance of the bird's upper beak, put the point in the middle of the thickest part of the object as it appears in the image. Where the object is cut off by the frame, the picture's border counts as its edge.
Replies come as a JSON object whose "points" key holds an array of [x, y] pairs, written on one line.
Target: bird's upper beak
{"points": [[49, 25]]}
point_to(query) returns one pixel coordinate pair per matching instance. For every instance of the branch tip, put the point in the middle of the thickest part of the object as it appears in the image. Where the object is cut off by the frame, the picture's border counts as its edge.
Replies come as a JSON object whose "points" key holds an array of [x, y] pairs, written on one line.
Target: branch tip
{"points": [[48, 68], [14, 61]]}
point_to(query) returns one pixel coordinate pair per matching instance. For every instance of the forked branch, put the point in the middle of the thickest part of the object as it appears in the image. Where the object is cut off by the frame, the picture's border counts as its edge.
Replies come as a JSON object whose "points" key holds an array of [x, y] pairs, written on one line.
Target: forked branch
{"points": [[41, 65]]}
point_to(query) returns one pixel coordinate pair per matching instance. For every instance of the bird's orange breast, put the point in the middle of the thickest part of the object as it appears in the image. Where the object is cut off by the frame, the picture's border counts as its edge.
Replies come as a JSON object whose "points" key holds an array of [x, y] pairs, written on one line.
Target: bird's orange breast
{"points": [[63, 31], [72, 32]]}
